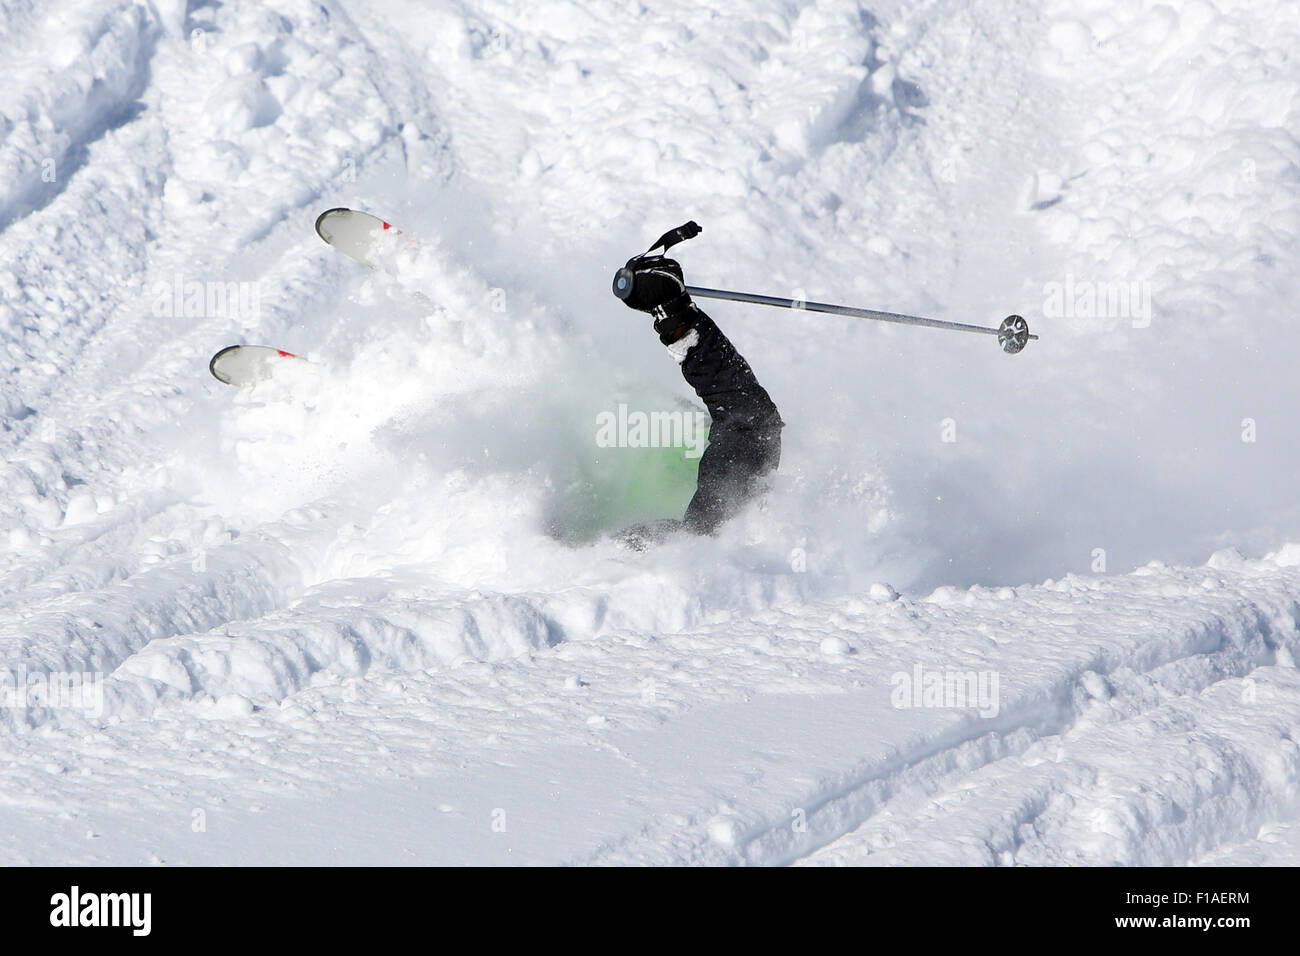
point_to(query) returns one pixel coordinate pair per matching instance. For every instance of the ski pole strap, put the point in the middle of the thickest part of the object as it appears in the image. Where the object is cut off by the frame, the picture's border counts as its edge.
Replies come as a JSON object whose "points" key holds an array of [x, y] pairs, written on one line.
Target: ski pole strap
{"points": [[673, 236]]}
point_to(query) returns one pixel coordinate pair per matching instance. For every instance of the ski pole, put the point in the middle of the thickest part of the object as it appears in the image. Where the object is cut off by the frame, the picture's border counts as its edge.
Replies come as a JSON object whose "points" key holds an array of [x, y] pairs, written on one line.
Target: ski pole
{"points": [[1013, 333]]}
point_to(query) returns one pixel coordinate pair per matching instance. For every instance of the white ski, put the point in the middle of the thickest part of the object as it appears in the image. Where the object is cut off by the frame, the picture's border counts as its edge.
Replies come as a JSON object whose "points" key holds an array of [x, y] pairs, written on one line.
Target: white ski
{"points": [[244, 365], [353, 233]]}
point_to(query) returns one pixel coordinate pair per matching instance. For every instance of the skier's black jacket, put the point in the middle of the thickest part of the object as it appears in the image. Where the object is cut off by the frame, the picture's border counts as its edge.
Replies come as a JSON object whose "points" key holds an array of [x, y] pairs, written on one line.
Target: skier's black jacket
{"points": [[745, 437]]}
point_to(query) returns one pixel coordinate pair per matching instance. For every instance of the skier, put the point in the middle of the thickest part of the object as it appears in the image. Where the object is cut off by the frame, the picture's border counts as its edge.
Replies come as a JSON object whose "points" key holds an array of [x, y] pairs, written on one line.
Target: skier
{"points": [[745, 437]]}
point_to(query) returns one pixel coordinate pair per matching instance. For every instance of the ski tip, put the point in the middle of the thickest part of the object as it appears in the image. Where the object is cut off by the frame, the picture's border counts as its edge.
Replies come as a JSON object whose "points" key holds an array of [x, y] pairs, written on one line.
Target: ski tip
{"points": [[244, 365], [212, 365], [320, 220]]}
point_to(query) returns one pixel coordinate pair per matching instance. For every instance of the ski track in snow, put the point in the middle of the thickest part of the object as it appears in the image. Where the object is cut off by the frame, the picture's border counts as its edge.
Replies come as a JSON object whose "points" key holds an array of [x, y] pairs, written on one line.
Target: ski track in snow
{"points": [[346, 616]]}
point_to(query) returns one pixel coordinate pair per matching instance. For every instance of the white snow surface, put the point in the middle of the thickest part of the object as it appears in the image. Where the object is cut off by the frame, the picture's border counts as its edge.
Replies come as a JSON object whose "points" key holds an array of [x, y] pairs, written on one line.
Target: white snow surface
{"points": [[368, 613]]}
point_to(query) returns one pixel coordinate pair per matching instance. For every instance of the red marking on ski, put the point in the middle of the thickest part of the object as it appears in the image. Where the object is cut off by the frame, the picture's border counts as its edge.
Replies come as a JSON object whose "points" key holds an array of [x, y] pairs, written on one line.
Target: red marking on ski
{"points": [[286, 354], [387, 226]]}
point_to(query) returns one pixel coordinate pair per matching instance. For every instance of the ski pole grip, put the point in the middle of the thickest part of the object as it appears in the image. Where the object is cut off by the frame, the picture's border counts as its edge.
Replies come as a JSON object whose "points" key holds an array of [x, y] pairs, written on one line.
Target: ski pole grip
{"points": [[625, 278]]}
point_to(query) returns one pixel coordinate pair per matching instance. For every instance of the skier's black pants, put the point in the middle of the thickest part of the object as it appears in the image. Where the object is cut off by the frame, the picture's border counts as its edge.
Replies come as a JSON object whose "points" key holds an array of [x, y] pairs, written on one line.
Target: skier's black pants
{"points": [[745, 437]]}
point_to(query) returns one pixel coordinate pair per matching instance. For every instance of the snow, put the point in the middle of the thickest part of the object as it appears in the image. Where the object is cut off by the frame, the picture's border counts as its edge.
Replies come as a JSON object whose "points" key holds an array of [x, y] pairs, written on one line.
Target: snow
{"points": [[1032, 609]]}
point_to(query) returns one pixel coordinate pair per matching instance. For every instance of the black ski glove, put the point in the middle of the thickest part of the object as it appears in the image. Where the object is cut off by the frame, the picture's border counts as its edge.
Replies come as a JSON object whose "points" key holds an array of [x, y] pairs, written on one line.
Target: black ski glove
{"points": [[655, 284], [660, 289]]}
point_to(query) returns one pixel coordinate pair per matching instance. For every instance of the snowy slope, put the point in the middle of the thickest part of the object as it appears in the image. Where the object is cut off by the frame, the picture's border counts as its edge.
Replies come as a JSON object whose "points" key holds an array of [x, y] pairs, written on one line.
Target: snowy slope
{"points": [[368, 612]]}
